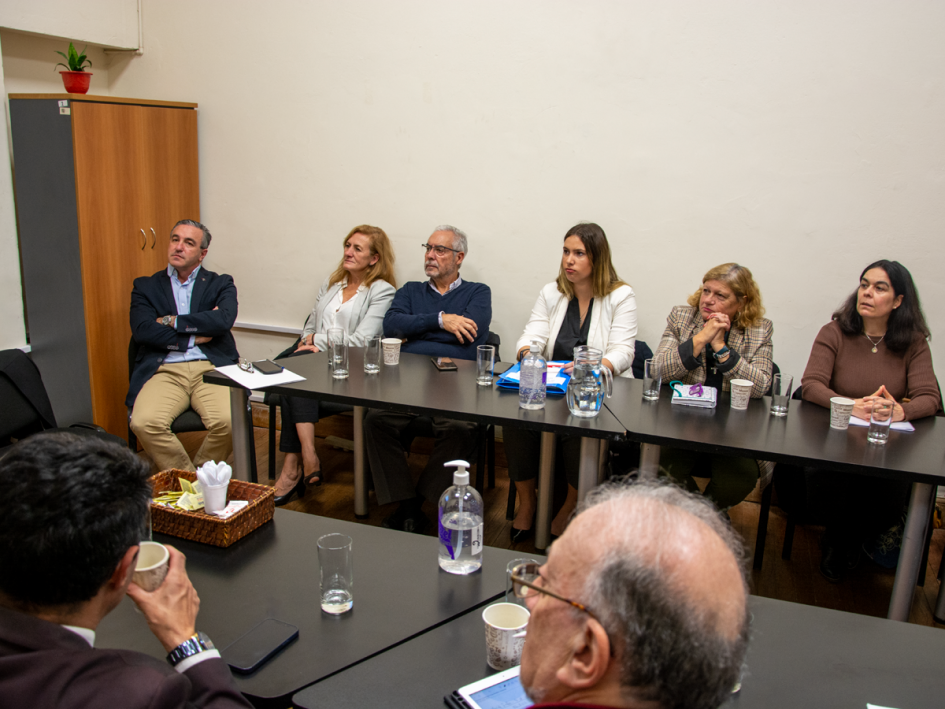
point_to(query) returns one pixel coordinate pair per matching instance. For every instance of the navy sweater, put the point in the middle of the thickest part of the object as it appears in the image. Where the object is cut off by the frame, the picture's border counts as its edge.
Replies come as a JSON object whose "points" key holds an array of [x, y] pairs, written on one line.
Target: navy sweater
{"points": [[414, 315]]}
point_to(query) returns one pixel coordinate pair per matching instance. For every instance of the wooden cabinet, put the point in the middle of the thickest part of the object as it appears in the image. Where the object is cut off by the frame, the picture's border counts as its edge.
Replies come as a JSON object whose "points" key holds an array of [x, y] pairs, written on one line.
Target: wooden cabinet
{"points": [[100, 182]]}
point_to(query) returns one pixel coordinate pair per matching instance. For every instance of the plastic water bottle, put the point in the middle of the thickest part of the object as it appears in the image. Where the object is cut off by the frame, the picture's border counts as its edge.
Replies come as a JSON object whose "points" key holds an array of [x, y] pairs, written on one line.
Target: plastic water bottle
{"points": [[460, 524], [533, 379]]}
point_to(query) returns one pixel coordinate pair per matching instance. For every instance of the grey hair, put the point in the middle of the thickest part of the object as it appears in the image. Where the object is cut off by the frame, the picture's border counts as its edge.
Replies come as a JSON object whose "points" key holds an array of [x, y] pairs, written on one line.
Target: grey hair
{"points": [[670, 650], [459, 237], [205, 242]]}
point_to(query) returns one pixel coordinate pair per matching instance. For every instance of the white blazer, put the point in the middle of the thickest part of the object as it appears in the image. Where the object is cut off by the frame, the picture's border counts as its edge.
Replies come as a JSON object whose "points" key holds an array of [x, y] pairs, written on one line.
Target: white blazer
{"points": [[613, 327], [368, 308]]}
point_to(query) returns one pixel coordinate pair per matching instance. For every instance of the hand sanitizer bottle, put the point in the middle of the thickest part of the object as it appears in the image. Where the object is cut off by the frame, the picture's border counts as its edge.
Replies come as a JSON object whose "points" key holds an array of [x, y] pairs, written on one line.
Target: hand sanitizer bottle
{"points": [[533, 379], [460, 523]]}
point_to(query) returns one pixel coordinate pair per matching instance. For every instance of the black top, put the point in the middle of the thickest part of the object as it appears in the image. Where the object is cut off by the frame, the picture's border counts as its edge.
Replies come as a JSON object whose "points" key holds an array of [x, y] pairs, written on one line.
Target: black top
{"points": [[572, 334]]}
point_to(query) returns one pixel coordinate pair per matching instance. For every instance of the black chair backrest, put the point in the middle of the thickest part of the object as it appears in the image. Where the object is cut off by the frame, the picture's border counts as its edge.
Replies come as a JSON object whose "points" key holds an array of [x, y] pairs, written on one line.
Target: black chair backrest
{"points": [[641, 353], [494, 340]]}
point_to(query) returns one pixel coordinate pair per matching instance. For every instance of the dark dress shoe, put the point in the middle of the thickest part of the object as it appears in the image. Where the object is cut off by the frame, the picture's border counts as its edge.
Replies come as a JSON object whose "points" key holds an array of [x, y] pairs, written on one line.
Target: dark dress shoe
{"points": [[299, 490], [833, 563], [520, 535]]}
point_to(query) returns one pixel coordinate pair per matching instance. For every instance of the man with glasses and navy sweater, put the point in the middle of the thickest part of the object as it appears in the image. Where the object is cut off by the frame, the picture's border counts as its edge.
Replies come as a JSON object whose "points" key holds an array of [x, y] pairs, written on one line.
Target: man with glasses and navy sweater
{"points": [[444, 316]]}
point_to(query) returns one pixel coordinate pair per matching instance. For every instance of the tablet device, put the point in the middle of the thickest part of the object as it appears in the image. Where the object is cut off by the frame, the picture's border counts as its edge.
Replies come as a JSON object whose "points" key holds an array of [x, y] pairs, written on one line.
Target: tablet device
{"points": [[499, 691]]}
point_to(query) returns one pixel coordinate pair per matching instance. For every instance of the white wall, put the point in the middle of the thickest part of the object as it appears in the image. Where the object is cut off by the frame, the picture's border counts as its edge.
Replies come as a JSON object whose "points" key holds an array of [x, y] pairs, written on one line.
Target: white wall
{"points": [[113, 23], [802, 139]]}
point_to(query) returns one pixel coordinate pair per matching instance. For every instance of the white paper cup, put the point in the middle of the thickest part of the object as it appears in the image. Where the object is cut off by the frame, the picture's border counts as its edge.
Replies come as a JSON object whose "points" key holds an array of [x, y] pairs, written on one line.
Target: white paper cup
{"points": [[504, 621], [840, 410], [152, 565], [741, 393], [214, 497], [391, 347]]}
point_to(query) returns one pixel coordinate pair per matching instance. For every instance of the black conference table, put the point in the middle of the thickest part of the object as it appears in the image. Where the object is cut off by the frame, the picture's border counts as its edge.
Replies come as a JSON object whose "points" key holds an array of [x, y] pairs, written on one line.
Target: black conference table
{"points": [[416, 386], [799, 656], [803, 437], [399, 592]]}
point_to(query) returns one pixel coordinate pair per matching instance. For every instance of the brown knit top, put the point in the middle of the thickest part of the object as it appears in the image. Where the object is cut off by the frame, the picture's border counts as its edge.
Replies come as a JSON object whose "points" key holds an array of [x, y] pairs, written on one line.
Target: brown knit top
{"points": [[844, 365]]}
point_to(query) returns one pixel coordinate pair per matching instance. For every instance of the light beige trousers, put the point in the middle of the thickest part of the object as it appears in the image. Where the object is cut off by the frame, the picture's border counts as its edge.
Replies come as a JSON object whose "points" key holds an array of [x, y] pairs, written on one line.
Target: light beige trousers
{"points": [[168, 394]]}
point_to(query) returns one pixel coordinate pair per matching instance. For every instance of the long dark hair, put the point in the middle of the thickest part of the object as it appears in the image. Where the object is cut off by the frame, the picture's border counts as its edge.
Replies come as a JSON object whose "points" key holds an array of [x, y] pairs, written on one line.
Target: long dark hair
{"points": [[905, 322], [603, 274]]}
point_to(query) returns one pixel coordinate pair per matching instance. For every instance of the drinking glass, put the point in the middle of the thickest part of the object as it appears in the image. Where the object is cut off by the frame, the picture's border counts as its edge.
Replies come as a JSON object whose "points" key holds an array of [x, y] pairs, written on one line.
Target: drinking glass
{"points": [[338, 349], [372, 356], [335, 573], [510, 596], [485, 362], [651, 380], [880, 420], [781, 393]]}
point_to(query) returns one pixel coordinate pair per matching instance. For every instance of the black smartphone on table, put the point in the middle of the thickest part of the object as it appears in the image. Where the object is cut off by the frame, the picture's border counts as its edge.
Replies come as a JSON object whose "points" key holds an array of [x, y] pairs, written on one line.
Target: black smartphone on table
{"points": [[444, 364], [255, 648], [267, 366]]}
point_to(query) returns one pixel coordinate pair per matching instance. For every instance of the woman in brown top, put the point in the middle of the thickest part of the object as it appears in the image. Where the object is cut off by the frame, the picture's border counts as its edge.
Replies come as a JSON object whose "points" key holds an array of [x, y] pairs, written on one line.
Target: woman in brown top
{"points": [[876, 346]]}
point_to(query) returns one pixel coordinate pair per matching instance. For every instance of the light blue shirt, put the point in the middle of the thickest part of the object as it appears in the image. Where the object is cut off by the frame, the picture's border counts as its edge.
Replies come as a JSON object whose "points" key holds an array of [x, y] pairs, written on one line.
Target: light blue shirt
{"points": [[183, 292], [453, 286]]}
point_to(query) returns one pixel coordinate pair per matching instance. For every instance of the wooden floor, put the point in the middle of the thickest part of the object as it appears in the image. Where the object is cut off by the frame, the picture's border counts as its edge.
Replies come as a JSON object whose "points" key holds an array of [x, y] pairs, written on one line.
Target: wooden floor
{"points": [[866, 590]]}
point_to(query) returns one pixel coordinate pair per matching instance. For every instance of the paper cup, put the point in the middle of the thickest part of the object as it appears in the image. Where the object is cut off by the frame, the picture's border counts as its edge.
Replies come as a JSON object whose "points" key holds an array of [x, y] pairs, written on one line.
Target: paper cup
{"points": [[840, 410], [505, 621], [391, 347], [741, 393], [214, 497], [152, 565]]}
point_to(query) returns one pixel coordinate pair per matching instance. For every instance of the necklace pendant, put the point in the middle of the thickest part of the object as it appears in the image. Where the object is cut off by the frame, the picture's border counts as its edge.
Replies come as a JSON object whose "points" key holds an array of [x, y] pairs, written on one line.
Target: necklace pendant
{"points": [[874, 349]]}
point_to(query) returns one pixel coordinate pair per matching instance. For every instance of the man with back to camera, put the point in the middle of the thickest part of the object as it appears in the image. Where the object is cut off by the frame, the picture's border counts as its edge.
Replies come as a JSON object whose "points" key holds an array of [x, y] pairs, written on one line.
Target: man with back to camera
{"points": [[181, 319], [665, 605], [74, 508], [442, 317]]}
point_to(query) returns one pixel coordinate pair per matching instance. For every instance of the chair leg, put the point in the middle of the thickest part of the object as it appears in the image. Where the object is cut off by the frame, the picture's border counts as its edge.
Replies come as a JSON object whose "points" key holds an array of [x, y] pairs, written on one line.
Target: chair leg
{"points": [[928, 541], [253, 476], [510, 510], [788, 539], [762, 526], [490, 442], [272, 441]]}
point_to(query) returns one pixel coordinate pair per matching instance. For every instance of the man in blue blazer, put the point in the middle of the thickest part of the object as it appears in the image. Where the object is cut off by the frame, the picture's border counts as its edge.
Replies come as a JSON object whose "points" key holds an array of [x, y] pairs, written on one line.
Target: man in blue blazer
{"points": [[181, 319], [444, 316]]}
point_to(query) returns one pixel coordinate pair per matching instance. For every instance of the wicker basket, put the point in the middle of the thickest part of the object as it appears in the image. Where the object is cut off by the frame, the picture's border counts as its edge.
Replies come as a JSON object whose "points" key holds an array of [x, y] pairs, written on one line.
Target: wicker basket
{"points": [[205, 528]]}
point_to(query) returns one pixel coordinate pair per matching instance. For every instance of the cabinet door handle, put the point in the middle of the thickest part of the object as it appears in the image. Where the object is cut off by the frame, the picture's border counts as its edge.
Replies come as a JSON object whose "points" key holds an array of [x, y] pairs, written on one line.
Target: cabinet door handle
{"points": [[145, 237], [153, 238]]}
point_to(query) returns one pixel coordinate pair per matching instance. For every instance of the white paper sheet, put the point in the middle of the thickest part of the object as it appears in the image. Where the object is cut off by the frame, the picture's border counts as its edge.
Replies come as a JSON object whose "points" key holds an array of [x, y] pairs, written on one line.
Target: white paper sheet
{"points": [[897, 426], [257, 380]]}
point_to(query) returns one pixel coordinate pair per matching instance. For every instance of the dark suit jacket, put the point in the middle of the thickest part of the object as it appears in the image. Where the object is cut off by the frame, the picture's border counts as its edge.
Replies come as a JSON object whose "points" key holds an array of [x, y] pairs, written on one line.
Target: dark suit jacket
{"points": [[44, 665], [152, 298]]}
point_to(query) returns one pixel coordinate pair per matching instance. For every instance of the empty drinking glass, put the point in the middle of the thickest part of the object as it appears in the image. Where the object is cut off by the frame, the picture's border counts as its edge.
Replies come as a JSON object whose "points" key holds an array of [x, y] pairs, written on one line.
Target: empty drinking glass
{"points": [[880, 420], [338, 353], [336, 573], [485, 361], [781, 393], [372, 356], [651, 380]]}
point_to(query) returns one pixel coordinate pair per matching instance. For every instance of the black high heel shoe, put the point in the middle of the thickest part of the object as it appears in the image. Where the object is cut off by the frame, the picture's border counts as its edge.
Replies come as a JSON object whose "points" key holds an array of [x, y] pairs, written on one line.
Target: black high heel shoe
{"points": [[299, 490], [520, 535]]}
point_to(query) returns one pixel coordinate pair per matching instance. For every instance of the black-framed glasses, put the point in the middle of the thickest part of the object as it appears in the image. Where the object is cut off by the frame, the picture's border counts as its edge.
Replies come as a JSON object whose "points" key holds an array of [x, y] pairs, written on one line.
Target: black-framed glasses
{"points": [[439, 250]]}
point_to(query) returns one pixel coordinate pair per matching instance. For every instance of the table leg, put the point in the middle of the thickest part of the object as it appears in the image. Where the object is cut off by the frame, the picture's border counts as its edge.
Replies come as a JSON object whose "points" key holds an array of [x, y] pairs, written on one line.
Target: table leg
{"points": [[939, 613], [910, 556], [546, 481], [602, 461], [239, 423], [649, 461], [360, 476], [588, 467]]}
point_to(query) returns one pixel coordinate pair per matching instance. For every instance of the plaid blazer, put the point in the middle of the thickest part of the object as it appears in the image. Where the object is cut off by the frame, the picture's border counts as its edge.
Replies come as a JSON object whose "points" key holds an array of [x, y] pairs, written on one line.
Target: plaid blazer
{"points": [[753, 346]]}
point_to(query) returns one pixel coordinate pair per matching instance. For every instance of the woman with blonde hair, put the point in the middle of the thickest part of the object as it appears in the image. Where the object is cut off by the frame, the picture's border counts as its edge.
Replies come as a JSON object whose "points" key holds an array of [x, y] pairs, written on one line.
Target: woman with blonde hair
{"points": [[719, 336], [587, 305], [355, 297]]}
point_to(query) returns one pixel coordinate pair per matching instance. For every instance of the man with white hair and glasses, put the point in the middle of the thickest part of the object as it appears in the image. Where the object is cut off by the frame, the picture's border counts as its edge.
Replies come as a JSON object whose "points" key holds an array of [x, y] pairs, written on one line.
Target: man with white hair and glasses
{"points": [[444, 316], [642, 603]]}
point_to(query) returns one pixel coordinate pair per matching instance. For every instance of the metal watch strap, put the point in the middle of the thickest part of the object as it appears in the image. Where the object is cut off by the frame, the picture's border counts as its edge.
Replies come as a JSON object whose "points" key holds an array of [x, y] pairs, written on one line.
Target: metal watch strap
{"points": [[721, 353], [167, 319], [193, 645]]}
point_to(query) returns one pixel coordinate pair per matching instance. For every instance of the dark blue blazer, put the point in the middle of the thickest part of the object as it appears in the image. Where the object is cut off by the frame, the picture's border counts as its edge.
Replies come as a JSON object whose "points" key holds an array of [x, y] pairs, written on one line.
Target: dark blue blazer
{"points": [[152, 298]]}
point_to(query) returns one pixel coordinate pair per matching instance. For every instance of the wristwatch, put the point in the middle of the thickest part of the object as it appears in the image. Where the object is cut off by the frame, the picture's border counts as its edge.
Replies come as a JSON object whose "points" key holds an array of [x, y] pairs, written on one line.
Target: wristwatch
{"points": [[167, 320], [721, 353], [193, 645]]}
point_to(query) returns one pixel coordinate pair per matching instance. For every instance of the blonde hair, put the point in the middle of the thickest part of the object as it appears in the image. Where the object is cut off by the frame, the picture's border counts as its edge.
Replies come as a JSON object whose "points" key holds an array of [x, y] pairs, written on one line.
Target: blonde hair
{"points": [[603, 274], [381, 247], [740, 280]]}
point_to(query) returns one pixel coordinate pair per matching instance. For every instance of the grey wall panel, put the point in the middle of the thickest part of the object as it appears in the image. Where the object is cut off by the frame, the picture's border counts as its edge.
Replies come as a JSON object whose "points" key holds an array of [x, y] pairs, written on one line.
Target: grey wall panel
{"points": [[49, 244]]}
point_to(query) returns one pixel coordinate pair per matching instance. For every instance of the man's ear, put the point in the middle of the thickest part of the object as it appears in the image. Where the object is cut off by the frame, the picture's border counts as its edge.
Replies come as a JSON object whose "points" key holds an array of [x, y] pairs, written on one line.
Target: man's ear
{"points": [[590, 657], [125, 569]]}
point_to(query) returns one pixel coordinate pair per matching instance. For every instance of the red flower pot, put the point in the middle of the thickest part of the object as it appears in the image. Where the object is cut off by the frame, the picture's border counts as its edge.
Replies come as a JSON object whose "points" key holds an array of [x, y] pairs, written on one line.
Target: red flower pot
{"points": [[76, 82]]}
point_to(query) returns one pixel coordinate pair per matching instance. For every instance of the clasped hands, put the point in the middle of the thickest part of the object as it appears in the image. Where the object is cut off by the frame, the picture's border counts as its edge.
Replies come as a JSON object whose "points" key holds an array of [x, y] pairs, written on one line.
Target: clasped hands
{"points": [[864, 407], [713, 333], [306, 344]]}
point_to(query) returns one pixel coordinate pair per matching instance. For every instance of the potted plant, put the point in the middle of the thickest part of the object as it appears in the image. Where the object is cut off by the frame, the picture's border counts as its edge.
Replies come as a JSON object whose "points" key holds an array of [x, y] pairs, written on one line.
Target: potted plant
{"points": [[75, 79]]}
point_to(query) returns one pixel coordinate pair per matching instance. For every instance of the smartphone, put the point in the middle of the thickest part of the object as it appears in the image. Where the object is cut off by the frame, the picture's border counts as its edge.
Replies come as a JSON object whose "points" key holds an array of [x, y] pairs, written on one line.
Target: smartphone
{"points": [[267, 366], [444, 364], [502, 367], [253, 650]]}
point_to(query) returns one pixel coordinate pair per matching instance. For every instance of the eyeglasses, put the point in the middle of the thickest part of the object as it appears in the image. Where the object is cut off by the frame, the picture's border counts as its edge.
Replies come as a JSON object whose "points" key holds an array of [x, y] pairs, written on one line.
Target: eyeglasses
{"points": [[523, 586], [439, 250]]}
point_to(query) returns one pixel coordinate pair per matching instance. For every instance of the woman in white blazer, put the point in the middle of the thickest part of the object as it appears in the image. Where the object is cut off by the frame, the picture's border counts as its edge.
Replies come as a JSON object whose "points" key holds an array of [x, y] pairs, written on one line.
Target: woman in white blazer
{"points": [[587, 305], [355, 297]]}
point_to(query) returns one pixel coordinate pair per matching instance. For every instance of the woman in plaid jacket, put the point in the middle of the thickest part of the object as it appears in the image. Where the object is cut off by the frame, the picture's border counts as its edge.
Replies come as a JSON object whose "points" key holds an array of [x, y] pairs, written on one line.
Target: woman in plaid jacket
{"points": [[719, 336]]}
